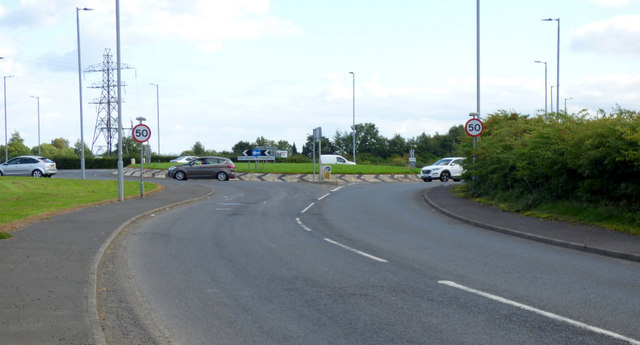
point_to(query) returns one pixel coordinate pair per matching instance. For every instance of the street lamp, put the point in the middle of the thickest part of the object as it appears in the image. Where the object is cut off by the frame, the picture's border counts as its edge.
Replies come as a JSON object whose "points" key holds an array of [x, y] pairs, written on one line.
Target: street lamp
{"points": [[6, 145], [552, 99], [82, 168], [354, 116], [558, 63], [565, 104], [38, 99], [158, 112], [545, 84]]}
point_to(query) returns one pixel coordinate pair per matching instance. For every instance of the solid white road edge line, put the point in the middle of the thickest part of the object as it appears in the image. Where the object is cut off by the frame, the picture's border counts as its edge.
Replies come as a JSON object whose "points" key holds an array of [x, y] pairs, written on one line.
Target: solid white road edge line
{"points": [[355, 250], [540, 312], [302, 225], [308, 207]]}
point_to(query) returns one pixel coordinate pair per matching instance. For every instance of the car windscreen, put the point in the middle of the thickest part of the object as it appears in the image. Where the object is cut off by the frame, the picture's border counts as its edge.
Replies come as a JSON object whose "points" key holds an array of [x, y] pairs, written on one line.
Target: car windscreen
{"points": [[442, 162]]}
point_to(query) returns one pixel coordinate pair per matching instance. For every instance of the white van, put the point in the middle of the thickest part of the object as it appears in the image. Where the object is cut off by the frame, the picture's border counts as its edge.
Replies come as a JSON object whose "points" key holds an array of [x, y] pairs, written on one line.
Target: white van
{"points": [[334, 159]]}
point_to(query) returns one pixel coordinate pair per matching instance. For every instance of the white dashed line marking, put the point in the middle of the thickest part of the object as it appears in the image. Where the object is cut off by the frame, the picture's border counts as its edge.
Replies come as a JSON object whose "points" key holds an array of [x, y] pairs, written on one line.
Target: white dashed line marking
{"points": [[308, 207], [355, 250], [302, 225]]}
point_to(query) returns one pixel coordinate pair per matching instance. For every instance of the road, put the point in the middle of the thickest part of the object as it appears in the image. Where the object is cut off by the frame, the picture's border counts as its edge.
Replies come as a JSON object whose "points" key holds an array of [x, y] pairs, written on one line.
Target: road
{"points": [[300, 263]]}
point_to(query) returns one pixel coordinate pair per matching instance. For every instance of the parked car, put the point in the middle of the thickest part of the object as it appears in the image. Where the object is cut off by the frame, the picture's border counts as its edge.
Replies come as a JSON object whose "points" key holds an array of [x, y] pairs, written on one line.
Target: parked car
{"points": [[204, 167], [183, 159], [35, 166], [335, 159], [444, 169]]}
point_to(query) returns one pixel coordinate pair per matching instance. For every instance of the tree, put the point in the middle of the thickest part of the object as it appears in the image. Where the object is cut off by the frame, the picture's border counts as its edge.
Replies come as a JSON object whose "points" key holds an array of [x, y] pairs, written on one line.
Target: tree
{"points": [[240, 147], [327, 146], [60, 143], [198, 149], [130, 146], [283, 145], [369, 140], [263, 142], [397, 145], [17, 146], [76, 149]]}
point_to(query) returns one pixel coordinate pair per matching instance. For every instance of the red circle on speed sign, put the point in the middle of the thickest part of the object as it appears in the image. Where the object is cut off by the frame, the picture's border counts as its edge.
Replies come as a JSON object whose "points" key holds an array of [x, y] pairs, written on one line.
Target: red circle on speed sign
{"points": [[474, 127], [141, 133]]}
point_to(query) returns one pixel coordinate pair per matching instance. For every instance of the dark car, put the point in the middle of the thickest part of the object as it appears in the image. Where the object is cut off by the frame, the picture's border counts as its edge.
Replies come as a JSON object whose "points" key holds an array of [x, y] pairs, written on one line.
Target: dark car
{"points": [[35, 166], [204, 167]]}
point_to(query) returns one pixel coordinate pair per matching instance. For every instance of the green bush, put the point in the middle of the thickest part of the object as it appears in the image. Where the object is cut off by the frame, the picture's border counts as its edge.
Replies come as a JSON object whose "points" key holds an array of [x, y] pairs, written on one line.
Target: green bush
{"points": [[534, 160]]}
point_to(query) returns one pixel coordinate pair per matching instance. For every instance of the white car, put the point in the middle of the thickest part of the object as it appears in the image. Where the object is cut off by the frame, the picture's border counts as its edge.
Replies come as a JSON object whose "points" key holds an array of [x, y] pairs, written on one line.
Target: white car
{"points": [[183, 159], [444, 169]]}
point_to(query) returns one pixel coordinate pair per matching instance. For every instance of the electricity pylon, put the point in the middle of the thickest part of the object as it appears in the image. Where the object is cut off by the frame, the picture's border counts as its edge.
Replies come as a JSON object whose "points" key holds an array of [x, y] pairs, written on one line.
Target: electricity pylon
{"points": [[107, 104]]}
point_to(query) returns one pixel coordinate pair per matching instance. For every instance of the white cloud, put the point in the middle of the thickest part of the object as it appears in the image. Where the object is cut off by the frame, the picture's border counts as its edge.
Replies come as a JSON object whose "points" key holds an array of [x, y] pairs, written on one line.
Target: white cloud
{"points": [[613, 3], [617, 35], [208, 22]]}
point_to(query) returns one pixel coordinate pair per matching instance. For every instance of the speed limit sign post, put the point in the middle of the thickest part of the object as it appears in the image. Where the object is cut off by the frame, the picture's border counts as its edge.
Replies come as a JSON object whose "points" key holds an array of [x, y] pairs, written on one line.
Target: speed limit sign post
{"points": [[474, 127], [141, 133]]}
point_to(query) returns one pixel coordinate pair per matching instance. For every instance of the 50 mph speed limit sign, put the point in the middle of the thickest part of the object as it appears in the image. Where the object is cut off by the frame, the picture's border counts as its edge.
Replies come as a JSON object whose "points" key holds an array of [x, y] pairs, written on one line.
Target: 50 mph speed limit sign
{"points": [[474, 127], [141, 133]]}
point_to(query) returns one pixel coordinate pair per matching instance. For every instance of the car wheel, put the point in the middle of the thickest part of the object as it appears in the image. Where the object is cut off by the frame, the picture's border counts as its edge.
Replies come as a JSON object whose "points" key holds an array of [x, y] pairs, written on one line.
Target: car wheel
{"points": [[444, 176], [222, 176], [36, 173], [181, 176]]}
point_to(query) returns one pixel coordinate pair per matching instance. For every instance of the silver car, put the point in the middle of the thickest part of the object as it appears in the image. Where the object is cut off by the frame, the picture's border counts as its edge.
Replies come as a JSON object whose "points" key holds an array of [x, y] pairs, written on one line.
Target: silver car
{"points": [[35, 166]]}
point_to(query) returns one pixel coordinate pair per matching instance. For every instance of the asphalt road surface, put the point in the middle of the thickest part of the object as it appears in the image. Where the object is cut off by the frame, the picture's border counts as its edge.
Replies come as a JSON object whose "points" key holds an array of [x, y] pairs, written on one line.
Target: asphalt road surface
{"points": [[300, 263]]}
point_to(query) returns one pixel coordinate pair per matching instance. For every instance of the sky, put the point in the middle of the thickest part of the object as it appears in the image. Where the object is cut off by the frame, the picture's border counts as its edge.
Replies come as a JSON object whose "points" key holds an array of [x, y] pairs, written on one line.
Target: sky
{"points": [[230, 71]]}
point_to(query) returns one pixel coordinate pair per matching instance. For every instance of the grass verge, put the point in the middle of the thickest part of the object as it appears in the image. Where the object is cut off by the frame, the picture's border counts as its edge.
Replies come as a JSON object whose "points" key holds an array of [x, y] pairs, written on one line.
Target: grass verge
{"points": [[608, 217], [304, 168], [24, 200]]}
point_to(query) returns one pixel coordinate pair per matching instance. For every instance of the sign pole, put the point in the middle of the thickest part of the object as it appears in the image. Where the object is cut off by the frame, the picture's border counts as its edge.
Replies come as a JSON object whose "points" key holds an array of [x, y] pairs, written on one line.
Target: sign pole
{"points": [[141, 133]]}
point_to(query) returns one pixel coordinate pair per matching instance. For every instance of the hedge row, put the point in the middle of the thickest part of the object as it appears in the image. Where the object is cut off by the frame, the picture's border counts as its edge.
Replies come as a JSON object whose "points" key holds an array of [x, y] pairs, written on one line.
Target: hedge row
{"points": [[533, 160]]}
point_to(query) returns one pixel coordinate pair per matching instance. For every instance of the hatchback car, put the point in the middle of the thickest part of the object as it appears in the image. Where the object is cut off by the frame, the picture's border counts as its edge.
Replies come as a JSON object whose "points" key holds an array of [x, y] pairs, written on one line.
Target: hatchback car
{"points": [[444, 169], [204, 167], [35, 166]]}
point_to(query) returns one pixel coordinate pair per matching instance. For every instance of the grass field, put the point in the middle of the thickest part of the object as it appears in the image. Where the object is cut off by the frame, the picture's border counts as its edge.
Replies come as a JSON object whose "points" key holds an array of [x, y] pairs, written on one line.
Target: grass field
{"points": [[22, 198], [303, 168]]}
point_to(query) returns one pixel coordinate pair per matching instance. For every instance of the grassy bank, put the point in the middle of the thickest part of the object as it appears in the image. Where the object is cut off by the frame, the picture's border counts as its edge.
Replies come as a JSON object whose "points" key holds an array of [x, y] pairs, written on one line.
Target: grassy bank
{"points": [[23, 198], [608, 217]]}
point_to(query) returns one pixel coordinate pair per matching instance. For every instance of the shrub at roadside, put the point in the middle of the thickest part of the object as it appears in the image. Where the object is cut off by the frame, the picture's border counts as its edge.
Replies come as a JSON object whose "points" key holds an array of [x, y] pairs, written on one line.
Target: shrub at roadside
{"points": [[530, 161]]}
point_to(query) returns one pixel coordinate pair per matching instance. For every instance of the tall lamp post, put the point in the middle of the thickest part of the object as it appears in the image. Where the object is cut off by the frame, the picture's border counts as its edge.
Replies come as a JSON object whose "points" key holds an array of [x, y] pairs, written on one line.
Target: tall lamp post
{"points": [[552, 99], [545, 84], [354, 116], [6, 145], [120, 135], [158, 112], [558, 63], [82, 166], [38, 99], [565, 104]]}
